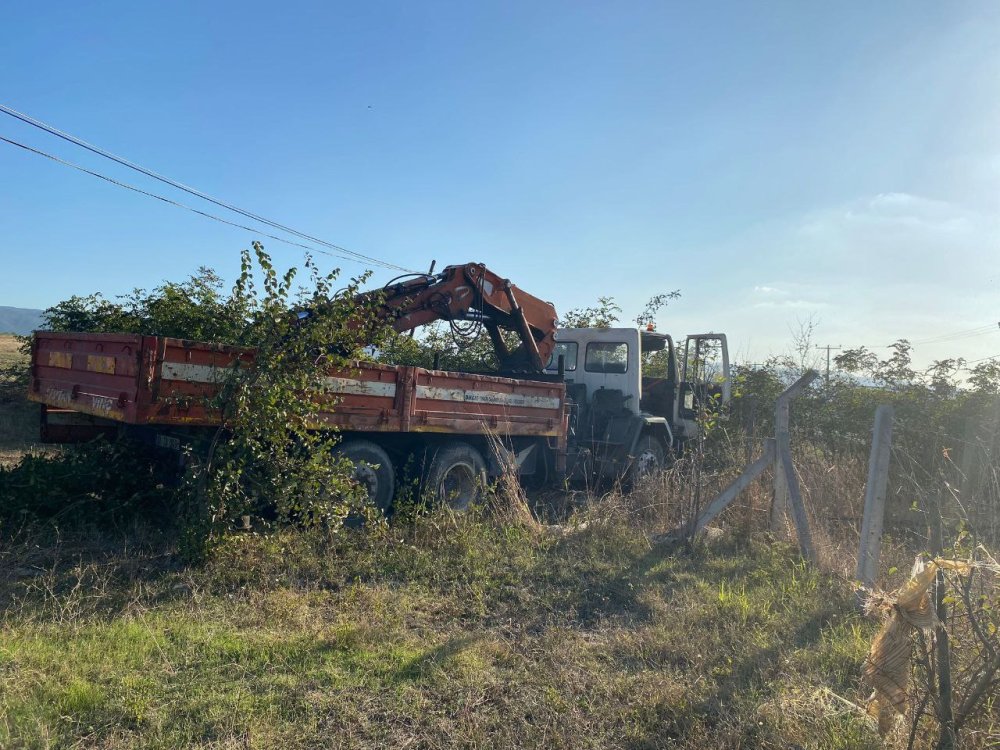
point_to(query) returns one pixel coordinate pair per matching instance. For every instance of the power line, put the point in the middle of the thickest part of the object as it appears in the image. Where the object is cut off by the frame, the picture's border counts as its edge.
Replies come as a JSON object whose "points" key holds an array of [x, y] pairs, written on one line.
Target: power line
{"points": [[168, 200], [983, 359], [943, 338], [192, 191], [968, 333]]}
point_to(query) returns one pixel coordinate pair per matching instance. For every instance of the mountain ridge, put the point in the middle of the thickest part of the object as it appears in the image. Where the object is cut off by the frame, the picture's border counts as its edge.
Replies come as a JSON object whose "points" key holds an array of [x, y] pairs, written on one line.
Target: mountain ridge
{"points": [[19, 320]]}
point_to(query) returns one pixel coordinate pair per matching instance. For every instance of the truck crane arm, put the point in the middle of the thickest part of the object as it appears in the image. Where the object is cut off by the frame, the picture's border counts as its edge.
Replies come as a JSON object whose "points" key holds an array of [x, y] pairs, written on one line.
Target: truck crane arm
{"points": [[473, 293]]}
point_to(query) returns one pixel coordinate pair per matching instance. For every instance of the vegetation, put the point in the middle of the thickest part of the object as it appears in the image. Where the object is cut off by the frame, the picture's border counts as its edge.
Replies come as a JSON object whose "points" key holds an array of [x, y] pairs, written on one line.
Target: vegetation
{"points": [[946, 433], [18, 419], [450, 631], [120, 627], [944, 499], [266, 452], [9, 350]]}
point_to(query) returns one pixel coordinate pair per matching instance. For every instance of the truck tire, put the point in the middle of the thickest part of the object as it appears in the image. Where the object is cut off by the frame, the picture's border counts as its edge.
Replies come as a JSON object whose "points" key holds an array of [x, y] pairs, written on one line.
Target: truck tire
{"points": [[456, 476], [649, 458], [372, 469]]}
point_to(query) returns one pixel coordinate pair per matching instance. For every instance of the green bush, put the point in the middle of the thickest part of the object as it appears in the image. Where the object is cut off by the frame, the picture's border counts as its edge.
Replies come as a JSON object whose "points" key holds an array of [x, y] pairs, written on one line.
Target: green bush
{"points": [[97, 483], [271, 448]]}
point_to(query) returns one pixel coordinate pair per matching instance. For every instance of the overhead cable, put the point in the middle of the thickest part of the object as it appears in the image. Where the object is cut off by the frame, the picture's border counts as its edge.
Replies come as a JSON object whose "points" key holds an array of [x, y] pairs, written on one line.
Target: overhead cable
{"points": [[193, 191], [968, 333], [168, 200], [983, 359]]}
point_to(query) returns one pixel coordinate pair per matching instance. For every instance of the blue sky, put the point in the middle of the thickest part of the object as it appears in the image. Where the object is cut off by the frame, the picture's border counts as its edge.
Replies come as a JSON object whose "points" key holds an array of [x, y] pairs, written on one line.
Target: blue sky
{"points": [[777, 162]]}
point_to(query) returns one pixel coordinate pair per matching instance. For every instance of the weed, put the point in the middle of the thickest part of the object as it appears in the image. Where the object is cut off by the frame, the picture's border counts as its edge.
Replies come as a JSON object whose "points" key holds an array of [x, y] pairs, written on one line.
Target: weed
{"points": [[449, 630]]}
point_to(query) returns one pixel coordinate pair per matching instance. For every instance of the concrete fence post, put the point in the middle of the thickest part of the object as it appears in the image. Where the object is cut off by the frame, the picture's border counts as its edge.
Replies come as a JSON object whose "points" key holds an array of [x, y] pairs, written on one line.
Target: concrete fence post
{"points": [[786, 486], [779, 506], [878, 478]]}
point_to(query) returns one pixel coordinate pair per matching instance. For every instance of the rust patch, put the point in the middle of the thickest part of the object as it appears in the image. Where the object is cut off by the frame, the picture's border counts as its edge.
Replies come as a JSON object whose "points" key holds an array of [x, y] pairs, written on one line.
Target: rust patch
{"points": [[100, 363], [61, 359]]}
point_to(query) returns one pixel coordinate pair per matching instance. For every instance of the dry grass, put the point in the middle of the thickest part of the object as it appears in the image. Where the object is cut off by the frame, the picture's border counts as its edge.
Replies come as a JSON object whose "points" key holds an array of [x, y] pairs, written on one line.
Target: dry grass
{"points": [[487, 630], [446, 632], [483, 630], [9, 350], [18, 418]]}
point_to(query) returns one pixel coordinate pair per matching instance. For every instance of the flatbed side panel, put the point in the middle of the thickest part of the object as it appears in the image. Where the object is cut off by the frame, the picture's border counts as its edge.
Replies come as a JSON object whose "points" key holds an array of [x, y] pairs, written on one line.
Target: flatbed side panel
{"points": [[184, 376], [367, 396], [187, 374], [91, 373], [162, 381], [476, 404]]}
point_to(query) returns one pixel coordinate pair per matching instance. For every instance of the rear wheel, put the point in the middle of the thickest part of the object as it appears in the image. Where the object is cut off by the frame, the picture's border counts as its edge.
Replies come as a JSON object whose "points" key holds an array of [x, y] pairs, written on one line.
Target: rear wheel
{"points": [[372, 469], [456, 476], [649, 458]]}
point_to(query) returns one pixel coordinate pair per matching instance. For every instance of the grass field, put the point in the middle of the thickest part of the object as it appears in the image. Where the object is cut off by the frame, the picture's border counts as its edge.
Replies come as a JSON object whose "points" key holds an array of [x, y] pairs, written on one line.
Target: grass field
{"points": [[18, 418], [449, 633], [444, 632], [440, 631], [9, 353]]}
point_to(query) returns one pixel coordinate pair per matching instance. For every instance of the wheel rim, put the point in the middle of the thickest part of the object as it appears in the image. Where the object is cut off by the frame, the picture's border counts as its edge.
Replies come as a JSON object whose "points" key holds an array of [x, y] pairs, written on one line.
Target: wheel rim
{"points": [[647, 463], [367, 477], [459, 486]]}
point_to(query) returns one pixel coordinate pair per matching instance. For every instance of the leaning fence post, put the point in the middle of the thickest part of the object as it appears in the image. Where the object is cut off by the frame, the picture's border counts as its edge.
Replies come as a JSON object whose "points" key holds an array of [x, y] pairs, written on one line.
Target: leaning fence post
{"points": [[878, 477], [784, 445], [724, 498]]}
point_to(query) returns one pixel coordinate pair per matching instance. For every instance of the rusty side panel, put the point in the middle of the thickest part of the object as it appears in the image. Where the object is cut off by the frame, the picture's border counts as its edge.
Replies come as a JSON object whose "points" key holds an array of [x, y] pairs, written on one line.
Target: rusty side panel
{"points": [[162, 381], [183, 376], [91, 373], [453, 402]]}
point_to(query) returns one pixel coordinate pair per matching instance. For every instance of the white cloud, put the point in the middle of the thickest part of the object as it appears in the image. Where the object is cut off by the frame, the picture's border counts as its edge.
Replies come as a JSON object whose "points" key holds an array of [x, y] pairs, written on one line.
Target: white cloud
{"points": [[791, 304], [885, 266], [872, 270], [894, 239]]}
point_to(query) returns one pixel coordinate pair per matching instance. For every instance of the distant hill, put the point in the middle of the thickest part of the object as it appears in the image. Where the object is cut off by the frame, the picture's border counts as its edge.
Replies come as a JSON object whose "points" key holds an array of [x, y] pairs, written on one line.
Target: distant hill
{"points": [[19, 320]]}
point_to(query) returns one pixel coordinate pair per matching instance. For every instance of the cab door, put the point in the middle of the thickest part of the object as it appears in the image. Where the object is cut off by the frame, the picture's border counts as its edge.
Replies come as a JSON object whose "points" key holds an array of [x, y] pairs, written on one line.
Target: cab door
{"points": [[705, 379]]}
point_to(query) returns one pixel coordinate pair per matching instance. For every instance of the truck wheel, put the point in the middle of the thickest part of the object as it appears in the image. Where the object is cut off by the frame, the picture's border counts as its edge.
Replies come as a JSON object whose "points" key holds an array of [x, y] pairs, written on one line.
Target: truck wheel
{"points": [[650, 458], [456, 476], [372, 469]]}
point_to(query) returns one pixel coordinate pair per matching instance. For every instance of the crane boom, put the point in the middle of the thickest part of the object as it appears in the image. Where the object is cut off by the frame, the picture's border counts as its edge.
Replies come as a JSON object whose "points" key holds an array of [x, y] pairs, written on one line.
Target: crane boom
{"points": [[472, 292]]}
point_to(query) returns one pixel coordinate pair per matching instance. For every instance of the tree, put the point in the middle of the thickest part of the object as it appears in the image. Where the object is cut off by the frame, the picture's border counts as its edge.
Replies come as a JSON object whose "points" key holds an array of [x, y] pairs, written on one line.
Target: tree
{"points": [[985, 377], [656, 303], [804, 343], [602, 315], [195, 308], [859, 361], [271, 447], [897, 371]]}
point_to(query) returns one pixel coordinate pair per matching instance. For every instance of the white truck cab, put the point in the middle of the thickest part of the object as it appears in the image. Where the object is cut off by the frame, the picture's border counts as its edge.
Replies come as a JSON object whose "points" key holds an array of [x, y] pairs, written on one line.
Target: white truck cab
{"points": [[601, 358], [620, 408]]}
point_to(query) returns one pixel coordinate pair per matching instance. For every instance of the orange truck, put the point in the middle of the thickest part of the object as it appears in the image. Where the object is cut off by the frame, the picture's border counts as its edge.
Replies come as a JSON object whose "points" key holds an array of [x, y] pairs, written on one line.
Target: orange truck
{"points": [[570, 404]]}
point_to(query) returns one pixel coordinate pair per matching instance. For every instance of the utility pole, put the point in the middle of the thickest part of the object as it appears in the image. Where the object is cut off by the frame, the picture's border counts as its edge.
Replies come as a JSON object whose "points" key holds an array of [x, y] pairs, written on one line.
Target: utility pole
{"points": [[828, 347]]}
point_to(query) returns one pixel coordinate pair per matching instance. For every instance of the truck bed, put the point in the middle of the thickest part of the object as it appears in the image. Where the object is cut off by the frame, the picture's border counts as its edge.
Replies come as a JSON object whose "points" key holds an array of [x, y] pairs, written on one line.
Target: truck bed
{"points": [[153, 380]]}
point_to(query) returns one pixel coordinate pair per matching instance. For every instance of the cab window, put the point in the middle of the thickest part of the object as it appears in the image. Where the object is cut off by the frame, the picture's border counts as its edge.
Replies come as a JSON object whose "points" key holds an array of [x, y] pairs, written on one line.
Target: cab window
{"points": [[604, 356], [568, 350]]}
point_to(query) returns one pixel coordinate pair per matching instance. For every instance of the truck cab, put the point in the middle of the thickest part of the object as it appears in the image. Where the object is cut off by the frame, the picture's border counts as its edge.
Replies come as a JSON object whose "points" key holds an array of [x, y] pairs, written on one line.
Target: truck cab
{"points": [[634, 397]]}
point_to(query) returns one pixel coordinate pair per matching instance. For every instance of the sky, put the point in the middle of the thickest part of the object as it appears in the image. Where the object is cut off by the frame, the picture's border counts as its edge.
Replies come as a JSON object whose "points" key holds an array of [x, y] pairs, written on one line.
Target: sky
{"points": [[785, 165]]}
